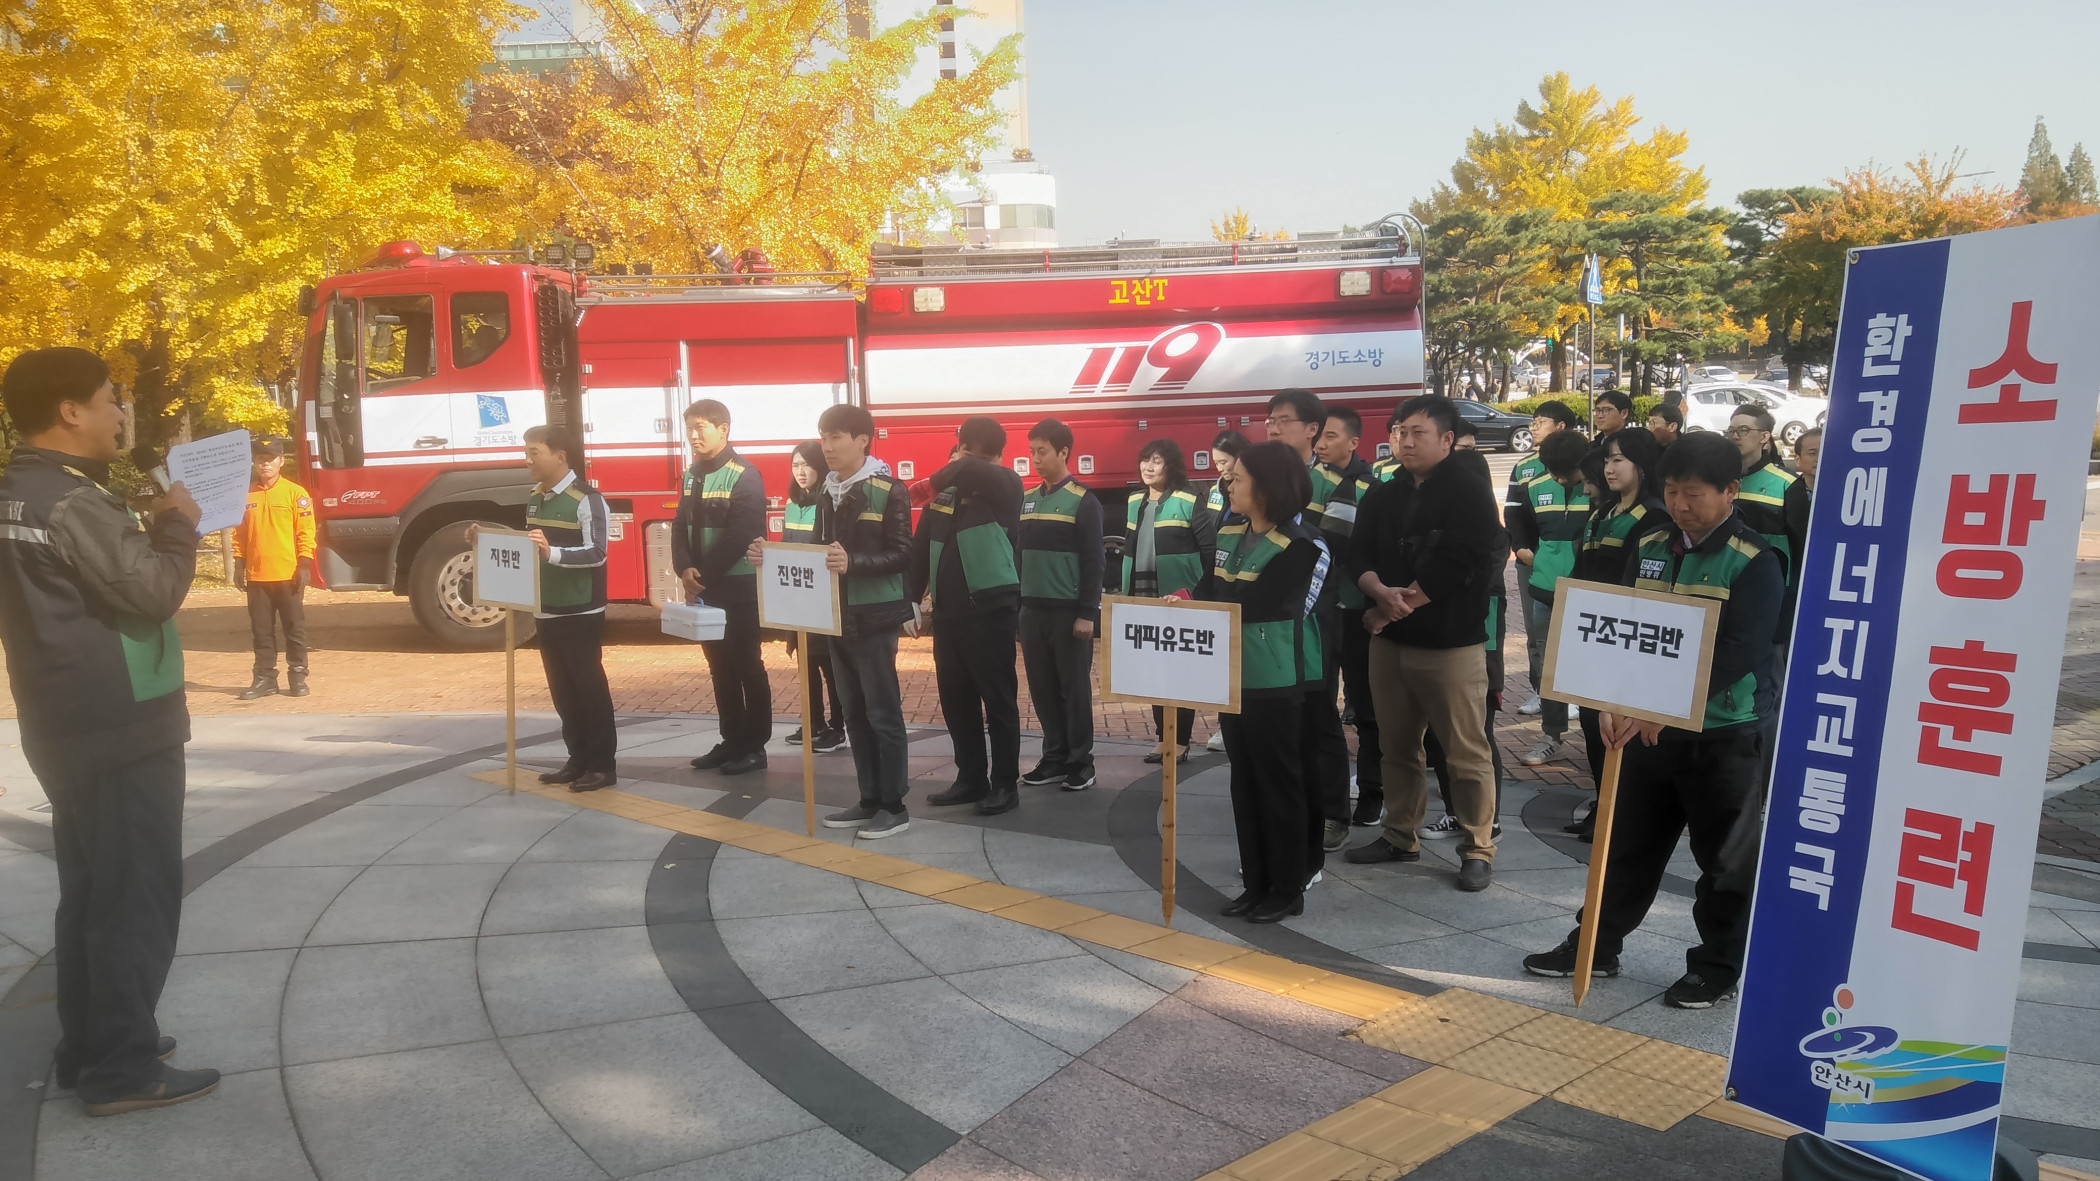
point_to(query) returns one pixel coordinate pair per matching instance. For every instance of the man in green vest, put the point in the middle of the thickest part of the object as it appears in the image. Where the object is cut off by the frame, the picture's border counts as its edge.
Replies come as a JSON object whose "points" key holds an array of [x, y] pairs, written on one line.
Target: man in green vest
{"points": [[864, 516], [964, 555], [1774, 501], [568, 521], [88, 595], [1545, 529], [1549, 419], [1296, 418], [1707, 780], [721, 511], [1061, 560], [1349, 645]]}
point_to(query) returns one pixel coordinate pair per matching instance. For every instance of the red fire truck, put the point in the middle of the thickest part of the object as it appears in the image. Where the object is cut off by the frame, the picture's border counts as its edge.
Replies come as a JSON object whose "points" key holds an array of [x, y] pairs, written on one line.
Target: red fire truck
{"points": [[422, 370]]}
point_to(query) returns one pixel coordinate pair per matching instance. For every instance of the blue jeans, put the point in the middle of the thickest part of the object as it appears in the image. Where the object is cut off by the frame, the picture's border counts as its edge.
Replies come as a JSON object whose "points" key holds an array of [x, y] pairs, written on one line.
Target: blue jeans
{"points": [[1538, 617]]}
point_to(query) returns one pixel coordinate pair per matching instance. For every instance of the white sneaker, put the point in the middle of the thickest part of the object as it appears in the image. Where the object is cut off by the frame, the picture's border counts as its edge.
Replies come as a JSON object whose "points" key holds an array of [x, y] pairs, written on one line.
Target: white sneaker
{"points": [[1216, 743], [1317, 875], [1545, 752], [1531, 707], [1446, 826]]}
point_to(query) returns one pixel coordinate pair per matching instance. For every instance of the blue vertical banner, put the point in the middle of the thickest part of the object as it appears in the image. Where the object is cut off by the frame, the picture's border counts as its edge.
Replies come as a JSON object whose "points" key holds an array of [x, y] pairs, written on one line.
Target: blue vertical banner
{"points": [[1885, 940]]}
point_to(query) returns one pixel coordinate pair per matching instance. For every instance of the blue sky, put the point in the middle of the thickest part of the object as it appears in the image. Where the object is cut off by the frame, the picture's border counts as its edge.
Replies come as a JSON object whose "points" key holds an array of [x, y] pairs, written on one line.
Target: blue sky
{"points": [[1155, 115]]}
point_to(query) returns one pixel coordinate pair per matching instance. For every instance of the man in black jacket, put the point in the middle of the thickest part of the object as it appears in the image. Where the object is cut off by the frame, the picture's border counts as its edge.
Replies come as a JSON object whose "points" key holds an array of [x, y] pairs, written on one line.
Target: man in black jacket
{"points": [[964, 554], [721, 511], [88, 595], [1418, 552]]}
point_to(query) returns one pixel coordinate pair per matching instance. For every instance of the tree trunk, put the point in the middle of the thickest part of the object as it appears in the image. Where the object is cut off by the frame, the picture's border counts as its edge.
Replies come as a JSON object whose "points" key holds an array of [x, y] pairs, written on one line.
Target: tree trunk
{"points": [[1557, 373]]}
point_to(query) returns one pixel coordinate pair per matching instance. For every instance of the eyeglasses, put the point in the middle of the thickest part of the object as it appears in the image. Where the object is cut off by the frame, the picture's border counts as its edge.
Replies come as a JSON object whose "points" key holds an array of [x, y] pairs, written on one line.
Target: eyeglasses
{"points": [[1742, 432], [1286, 422]]}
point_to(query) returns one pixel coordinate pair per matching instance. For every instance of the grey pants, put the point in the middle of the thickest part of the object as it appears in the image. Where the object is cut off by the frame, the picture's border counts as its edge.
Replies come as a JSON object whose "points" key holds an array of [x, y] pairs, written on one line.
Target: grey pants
{"points": [[1061, 684], [866, 667]]}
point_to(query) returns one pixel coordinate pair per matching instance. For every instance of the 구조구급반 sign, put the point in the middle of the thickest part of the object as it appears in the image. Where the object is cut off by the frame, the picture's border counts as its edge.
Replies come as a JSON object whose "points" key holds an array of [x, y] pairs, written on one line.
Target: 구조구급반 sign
{"points": [[1885, 942], [1645, 654]]}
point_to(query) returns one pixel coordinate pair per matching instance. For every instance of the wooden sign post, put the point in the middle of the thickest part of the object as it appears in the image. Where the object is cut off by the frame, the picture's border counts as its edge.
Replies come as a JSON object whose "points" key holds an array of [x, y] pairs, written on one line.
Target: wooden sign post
{"points": [[507, 575], [797, 592], [1637, 654], [1176, 655]]}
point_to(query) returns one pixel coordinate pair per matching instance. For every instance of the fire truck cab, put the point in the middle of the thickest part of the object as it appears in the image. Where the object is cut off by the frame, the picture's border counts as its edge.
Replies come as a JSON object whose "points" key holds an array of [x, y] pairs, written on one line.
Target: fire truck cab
{"points": [[422, 371]]}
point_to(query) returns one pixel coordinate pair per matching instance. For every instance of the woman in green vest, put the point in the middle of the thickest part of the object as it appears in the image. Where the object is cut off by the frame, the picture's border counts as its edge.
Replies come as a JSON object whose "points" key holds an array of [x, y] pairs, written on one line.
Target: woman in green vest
{"points": [[1272, 566], [1167, 538], [1625, 502], [798, 523]]}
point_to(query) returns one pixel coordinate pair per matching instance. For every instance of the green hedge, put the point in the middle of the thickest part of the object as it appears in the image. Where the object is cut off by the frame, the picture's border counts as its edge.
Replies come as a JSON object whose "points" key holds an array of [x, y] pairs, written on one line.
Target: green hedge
{"points": [[1580, 404]]}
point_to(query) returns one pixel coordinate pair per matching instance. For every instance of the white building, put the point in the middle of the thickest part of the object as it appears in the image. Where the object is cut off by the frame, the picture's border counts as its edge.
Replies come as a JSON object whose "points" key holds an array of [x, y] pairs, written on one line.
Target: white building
{"points": [[1011, 199]]}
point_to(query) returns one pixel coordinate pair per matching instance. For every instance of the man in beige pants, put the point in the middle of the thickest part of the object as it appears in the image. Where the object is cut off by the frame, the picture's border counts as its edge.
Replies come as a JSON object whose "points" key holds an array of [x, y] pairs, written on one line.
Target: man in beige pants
{"points": [[1418, 551]]}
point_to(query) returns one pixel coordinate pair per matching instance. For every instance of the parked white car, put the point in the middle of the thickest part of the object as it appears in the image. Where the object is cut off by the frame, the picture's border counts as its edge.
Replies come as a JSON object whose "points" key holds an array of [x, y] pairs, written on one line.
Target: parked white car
{"points": [[1709, 407]]}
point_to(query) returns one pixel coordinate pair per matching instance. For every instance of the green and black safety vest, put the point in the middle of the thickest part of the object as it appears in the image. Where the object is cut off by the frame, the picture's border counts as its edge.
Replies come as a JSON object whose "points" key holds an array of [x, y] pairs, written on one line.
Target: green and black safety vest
{"points": [[1707, 572], [1049, 541], [865, 590], [1561, 511], [1761, 500], [1351, 485], [1180, 560], [567, 590], [1280, 653], [983, 544], [713, 489], [798, 522], [1607, 538]]}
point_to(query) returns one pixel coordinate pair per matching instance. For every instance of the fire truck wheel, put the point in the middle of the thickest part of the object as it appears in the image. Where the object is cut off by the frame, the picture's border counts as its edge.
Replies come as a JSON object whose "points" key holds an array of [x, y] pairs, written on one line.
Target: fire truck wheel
{"points": [[440, 583]]}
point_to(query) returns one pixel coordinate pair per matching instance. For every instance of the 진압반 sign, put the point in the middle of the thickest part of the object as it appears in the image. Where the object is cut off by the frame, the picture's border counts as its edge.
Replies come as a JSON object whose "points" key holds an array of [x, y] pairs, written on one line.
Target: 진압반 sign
{"points": [[506, 569], [796, 591], [1184, 654], [1644, 654], [1892, 894]]}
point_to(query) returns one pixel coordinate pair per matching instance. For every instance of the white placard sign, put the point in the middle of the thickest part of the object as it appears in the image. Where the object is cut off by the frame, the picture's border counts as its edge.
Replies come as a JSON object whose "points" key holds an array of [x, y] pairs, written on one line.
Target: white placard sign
{"points": [[217, 471], [1638, 653], [1185, 654], [506, 570], [796, 591]]}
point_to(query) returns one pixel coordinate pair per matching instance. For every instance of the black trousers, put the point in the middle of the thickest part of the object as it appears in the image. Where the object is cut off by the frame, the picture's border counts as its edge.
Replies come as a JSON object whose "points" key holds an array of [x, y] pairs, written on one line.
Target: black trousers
{"points": [[825, 680], [1322, 746], [572, 650], [1706, 785], [973, 668], [1593, 744], [743, 694], [1061, 684], [1277, 825], [1433, 755], [269, 602], [1356, 686], [1181, 728], [867, 679], [118, 837]]}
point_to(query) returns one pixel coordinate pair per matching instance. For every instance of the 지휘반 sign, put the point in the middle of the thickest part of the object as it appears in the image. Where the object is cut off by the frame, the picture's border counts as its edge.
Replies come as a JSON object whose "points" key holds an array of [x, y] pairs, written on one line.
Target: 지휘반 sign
{"points": [[506, 569]]}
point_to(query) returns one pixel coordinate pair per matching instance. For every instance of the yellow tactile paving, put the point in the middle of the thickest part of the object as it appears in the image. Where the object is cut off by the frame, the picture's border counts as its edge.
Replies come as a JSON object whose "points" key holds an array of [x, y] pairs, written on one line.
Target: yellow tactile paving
{"points": [[1736, 1115], [772, 843], [824, 855], [929, 882], [985, 896], [1680, 1066], [1475, 1010], [1299, 1157], [1514, 1064], [2055, 1172], [1270, 973], [1634, 1098], [1418, 1033], [1193, 952], [1577, 1039], [1113, 930], [1475, 1102], [874, 867], [1397, 1135], [1050, 914], [1347, 994]]}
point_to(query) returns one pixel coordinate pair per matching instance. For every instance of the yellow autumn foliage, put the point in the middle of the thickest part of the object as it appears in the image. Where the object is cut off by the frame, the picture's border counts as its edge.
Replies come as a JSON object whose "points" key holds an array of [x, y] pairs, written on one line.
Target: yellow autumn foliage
{"points": [[175, 170], [764, 124]]}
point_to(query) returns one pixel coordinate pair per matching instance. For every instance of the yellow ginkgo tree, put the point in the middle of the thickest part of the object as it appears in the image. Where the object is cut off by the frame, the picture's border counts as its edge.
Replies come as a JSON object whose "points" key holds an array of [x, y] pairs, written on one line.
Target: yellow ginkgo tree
{"points": [[175, 170]]}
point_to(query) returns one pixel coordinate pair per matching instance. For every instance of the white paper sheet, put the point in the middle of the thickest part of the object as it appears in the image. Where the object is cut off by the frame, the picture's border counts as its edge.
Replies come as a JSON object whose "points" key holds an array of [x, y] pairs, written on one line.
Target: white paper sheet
{"points": [[217, 471]]}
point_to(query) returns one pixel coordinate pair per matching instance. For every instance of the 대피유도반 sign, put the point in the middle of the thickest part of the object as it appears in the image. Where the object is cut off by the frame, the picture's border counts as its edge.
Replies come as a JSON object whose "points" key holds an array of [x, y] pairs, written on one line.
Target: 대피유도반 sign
{"points": [[1184, 654], [1891, 908]]}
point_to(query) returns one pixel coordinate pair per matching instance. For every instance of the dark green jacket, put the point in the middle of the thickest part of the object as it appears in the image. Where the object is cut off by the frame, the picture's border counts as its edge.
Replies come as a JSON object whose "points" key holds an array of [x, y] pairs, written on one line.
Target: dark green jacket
{"points": [[573, 516], [964, 549], [1274, 577], [721, 511], [88, 595], [1735, 566], [1183, 532], [873, 523], [1774, 500], [1548, 521], [1061, 555], [1351, 485]]}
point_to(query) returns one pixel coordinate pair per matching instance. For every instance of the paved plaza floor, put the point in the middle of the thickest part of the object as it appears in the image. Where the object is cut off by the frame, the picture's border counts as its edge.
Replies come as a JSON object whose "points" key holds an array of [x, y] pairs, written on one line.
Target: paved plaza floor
{"points": [[408, 972]]}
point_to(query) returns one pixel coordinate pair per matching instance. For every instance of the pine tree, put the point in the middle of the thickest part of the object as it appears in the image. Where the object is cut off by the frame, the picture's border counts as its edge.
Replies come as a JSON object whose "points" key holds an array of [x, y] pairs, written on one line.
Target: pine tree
{"points": [[2078, 176], [2042, 180]]}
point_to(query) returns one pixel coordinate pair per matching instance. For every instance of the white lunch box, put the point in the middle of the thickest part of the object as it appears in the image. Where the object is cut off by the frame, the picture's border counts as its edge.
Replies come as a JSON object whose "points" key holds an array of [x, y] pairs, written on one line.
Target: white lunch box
{"points": [[694, 621]]}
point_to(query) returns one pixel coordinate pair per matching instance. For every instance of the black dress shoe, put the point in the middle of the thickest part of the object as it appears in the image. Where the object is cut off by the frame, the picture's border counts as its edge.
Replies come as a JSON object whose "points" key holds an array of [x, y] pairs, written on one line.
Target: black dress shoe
{"points": [[745, 764], [999, 799], [1380, 850], [569, 773], [1244, 904], [958, 794], [262, 686], [714, 758], [69, 1076], [174, 1086], [1277, 909], [594, 781]]}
